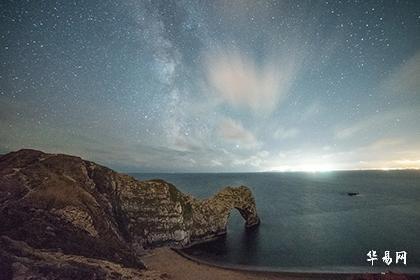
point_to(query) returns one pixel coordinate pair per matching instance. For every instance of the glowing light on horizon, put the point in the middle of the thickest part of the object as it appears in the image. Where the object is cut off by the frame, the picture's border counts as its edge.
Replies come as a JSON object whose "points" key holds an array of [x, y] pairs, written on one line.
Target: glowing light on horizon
{"points": [[307, 166], [325, 163]]}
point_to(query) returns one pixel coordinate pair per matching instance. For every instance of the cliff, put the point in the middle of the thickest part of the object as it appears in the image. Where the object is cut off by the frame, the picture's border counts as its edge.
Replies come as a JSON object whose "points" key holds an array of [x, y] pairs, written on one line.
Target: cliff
{"points": [[72, 207]]}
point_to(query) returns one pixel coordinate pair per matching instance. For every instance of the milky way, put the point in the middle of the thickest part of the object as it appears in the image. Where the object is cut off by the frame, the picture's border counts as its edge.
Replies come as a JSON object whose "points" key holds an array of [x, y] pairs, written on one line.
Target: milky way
{"points": [[215, 85]]}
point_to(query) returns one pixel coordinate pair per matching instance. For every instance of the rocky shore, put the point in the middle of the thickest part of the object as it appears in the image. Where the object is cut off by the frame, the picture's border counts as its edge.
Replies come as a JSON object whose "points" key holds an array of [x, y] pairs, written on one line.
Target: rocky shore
{"points": [[65, 217]]}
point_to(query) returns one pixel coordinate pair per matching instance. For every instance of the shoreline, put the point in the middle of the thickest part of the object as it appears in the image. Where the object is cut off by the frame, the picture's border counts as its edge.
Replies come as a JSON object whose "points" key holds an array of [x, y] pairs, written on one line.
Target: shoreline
{"points": [[297, 270], [177, 265]]}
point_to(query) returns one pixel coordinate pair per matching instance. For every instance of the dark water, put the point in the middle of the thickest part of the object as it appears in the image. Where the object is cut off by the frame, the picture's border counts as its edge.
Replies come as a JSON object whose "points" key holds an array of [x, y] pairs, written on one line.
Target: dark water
{"points": [[310, 223]]}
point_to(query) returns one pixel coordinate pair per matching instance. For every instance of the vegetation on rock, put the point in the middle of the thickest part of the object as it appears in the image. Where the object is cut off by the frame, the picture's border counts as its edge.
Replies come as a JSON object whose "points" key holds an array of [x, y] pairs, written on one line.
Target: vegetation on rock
{"points": [[78, 209]]}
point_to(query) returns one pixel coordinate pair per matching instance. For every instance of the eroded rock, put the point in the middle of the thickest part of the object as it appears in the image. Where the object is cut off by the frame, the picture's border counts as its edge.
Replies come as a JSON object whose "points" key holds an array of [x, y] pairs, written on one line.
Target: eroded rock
{"points": [[76, 207], [18, 260]]}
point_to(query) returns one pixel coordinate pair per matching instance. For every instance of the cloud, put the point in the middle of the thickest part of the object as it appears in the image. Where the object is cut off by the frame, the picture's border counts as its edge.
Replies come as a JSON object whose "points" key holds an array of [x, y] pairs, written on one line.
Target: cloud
{"points": [[386, 143], [234, 132], [349, 131], [286, 133], [405, 78], [215, 163], [311, 111], [240, 82], [374, 122], [382, 153], [255, 160]]}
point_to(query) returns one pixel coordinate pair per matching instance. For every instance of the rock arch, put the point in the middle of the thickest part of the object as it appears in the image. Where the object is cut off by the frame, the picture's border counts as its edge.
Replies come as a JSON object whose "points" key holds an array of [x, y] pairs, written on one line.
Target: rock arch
{"points": [[210, 216]]}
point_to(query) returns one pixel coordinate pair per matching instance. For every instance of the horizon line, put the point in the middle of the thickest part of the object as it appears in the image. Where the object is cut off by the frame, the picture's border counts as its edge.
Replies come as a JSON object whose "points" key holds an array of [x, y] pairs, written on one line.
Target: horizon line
{"points": [[276, 171]]}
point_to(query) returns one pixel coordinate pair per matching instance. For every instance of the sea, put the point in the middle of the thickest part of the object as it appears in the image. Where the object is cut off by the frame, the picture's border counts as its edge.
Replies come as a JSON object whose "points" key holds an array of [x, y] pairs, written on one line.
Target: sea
{"points": [[310, 223]]}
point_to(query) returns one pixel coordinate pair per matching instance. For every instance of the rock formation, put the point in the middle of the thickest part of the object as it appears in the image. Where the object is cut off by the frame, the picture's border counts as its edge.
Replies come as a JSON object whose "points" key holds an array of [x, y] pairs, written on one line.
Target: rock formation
{"points": [[20, 261], [78, 209]]}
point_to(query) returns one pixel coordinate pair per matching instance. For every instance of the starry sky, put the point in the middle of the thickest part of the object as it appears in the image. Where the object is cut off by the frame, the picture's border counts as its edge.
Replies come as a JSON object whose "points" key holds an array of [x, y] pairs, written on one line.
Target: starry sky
{"points": [[210, 86]]}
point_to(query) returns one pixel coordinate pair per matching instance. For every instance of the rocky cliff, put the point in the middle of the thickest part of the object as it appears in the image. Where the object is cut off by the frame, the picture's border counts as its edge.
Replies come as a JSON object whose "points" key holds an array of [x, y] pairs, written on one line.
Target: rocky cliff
{"points": [[78, 209]]}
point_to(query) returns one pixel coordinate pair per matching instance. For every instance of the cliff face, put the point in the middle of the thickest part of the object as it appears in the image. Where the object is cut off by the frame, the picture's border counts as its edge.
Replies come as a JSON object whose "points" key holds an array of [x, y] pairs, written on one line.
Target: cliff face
{"points": [[158, 213], [76, 207]]}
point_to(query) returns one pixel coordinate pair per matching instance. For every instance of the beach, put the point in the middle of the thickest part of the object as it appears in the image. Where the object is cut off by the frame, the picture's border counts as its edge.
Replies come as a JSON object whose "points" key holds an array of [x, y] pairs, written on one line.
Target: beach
{"points": [[173, 266]]}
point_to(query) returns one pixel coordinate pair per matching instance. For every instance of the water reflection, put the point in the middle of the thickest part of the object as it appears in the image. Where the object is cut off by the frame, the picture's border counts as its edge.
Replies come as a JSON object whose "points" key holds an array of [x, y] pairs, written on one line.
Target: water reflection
{"points": [[226, 247]]}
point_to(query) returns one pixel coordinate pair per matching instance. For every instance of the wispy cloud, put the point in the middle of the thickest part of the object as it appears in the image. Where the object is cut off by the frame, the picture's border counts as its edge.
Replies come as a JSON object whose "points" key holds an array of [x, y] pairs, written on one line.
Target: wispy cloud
{"points": [[373, 122], [242, 83], [311, 111], [405, 78], [385, 143], [286, 133], [234, 132]]}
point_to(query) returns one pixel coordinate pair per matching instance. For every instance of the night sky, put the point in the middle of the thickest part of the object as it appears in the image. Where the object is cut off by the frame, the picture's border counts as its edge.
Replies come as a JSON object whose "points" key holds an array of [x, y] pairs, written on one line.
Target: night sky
{"points": [[215, 85]]}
